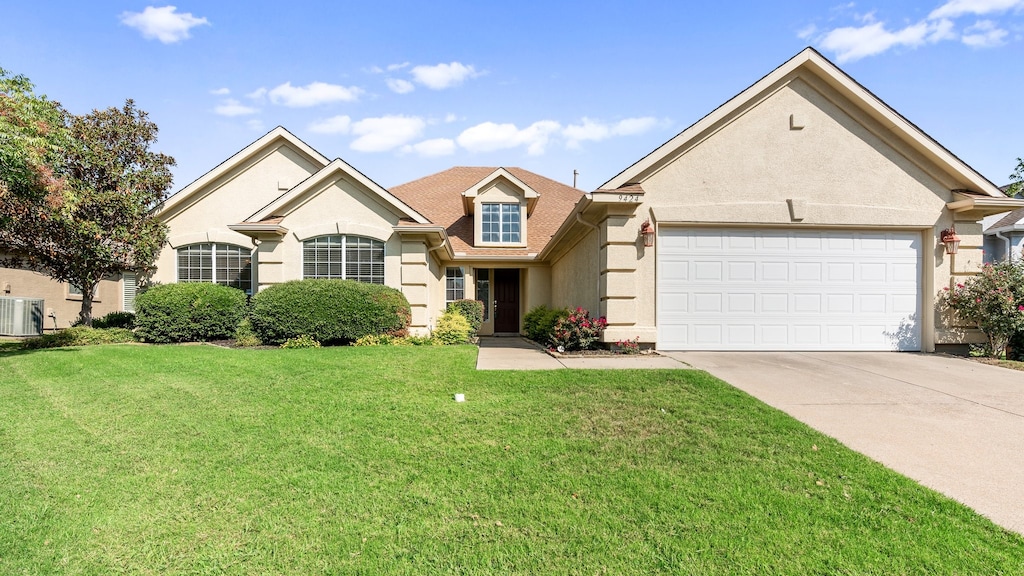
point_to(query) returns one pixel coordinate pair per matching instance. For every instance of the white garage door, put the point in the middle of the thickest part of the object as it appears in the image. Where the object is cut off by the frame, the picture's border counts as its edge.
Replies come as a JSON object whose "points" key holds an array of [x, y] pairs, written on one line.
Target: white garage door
{"points": [[737, 289]]}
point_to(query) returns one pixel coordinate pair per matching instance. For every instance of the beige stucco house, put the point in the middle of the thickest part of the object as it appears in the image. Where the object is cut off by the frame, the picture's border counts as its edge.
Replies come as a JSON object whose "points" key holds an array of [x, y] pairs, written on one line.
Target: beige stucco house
{"points": [[803, 214]]}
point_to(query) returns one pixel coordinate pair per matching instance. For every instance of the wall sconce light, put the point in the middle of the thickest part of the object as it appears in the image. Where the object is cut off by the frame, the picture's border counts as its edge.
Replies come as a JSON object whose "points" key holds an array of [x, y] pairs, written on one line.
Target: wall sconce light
{"points": [[647, 231], [951, 240]]}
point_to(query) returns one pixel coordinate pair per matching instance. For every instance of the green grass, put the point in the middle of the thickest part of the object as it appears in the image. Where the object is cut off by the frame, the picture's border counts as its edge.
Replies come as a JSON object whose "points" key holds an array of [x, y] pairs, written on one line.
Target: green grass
{"points": [[202, 460]]}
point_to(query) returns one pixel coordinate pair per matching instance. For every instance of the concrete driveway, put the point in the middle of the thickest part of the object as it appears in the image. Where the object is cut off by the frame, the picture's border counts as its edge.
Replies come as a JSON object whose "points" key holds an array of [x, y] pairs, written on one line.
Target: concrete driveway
{"points": [[952, 424]]}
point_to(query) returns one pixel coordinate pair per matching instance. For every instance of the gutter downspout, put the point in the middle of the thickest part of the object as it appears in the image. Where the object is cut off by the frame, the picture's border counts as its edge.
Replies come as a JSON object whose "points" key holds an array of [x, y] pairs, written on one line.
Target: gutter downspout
{"points": [[1009, 252]]}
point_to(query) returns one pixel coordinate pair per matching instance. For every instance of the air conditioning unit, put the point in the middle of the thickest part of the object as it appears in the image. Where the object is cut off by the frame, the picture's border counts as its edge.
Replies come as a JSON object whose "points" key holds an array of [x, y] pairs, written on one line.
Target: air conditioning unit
{"points": [[21, 316]]}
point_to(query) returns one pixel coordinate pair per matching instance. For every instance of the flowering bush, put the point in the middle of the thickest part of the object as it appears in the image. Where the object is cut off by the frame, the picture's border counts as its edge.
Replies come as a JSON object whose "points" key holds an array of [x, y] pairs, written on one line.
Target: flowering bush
{"points": [[577, 331], [995, 300], [629, 346]]}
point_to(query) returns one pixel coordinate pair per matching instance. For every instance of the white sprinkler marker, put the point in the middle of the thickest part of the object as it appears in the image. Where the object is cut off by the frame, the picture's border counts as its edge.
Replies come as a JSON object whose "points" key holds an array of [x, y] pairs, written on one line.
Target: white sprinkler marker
{"points": [[460, 397]]}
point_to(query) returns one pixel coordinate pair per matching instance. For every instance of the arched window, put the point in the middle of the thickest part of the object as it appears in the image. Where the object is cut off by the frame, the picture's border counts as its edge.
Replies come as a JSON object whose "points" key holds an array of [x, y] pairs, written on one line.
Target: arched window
{"points": [[344, 257], [218, 263]]}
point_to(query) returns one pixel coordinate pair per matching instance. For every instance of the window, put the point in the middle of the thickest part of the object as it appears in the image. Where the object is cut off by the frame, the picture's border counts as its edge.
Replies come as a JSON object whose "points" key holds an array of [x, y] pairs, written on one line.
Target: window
{"points": [[454, 285], [483, 289], [218, 263], [344, 257], [500, 223], [76, 291]]}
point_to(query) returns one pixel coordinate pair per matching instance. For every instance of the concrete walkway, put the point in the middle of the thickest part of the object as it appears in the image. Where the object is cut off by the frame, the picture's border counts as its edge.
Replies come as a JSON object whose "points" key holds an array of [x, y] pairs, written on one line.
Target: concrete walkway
{"points": [[514, 353], [952, 424]]}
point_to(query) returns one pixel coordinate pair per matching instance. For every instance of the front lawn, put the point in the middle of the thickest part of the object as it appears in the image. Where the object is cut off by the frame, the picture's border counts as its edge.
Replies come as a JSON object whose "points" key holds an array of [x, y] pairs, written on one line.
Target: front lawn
{"points": [[202, 460]]}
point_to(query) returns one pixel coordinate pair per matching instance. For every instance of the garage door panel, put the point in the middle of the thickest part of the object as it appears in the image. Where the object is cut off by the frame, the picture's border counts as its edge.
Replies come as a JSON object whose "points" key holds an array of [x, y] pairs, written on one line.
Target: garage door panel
{"points": [[726, 289]]}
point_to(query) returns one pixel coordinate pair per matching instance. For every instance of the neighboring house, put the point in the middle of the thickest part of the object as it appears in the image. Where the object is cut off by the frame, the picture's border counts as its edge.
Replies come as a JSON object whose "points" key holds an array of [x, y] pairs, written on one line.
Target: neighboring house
{"points": [[62, 302], [803, 214], [1004, 239], [1004, 236]]}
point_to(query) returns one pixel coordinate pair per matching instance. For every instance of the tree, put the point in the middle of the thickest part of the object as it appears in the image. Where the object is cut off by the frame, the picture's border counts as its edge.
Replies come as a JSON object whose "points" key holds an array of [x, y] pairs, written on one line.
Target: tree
{"points": [[1016, 180], [32, 135], [108, 226]]}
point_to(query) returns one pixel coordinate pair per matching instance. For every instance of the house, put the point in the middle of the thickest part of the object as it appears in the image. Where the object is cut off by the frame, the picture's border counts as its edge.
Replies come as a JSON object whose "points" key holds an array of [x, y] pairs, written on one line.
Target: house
{"points": [[278, 210], [802, 214]]}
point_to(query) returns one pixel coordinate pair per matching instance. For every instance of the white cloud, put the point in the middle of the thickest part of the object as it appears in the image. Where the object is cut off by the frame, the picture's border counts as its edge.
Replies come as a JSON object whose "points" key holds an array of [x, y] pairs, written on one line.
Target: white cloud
{"points": [[594, 130], [257, 94], [399, 86], [850, 43], [231, 107], [450, 117], [984, 34], [955, 8], [443, 75], [256, 125], [432, 148], [332, 125], [220, 92], [312, 94], [488, 136], [393, 67], [807, 31], [164, 24], [386, 133]]}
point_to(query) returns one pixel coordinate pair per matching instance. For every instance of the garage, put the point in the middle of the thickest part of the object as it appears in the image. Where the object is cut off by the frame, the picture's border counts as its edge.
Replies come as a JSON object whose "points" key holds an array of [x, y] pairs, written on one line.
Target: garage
{"points": [[785, 289]]}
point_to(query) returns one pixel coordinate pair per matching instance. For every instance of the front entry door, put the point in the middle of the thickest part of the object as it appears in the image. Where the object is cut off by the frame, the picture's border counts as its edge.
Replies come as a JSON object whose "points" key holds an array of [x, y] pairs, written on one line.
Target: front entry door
{"points": [[506, 300]]}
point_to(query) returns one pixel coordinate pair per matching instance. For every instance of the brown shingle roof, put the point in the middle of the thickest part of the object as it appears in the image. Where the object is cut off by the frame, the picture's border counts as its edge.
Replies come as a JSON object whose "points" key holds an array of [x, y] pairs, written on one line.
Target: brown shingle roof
{"points": [[439, 198]]}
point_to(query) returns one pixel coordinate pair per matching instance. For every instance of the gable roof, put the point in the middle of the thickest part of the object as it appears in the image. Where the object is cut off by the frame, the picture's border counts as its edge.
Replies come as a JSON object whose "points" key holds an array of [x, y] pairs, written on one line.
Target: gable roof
{"points": [[337, 167], [809, 61], [439, 198], [268, 142]]}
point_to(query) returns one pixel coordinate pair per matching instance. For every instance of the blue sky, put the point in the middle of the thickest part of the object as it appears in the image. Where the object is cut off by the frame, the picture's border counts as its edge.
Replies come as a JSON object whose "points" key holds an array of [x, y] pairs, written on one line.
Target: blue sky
{"points": [[404, 89]]}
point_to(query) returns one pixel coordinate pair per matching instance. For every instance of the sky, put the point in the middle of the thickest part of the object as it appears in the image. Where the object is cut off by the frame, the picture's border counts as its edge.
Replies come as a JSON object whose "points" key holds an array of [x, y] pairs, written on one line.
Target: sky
{"points": [[400, 90]]}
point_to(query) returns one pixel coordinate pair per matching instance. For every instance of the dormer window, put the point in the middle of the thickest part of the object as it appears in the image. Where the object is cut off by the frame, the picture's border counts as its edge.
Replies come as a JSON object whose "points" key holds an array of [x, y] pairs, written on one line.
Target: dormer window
{"points": [[501, 223]]}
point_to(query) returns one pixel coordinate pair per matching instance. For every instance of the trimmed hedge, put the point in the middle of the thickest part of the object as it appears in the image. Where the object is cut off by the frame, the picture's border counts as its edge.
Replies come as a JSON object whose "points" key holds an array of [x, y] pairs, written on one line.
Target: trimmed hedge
{"points": [[329, 311], [79, 336], [471, 310], [188, 312]]}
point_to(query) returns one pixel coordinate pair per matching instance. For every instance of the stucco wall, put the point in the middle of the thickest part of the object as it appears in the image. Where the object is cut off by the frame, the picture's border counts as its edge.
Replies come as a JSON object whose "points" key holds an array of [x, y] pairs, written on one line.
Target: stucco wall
{"points": [[230, 200], [803, 157], [64, 306], [575, 275], [337, 207]]}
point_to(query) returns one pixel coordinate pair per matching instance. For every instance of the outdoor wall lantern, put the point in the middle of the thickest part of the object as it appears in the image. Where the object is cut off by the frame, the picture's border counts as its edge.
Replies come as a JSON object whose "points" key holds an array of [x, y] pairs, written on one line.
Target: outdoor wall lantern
{"points": [[951, 240], [647, 231]]}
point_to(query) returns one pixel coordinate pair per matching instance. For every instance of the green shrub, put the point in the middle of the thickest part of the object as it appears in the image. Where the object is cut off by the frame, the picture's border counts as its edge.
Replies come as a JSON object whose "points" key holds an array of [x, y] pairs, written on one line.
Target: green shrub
{"points": [[79, 336], [471, 310], [419, 340], [330, 311], [452, 328], [244, 335], [188, 312], [112, 320], [539, 323], [303, 341]]}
